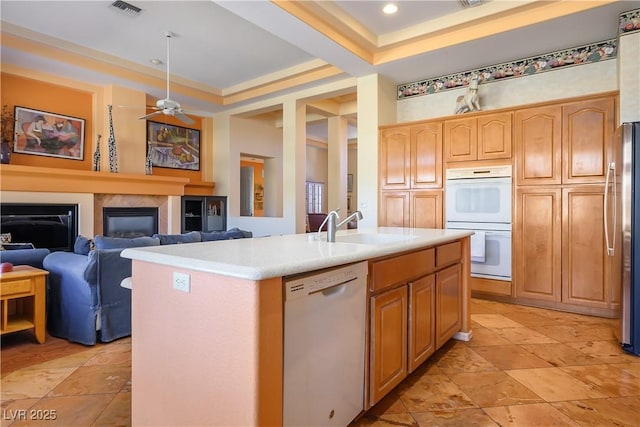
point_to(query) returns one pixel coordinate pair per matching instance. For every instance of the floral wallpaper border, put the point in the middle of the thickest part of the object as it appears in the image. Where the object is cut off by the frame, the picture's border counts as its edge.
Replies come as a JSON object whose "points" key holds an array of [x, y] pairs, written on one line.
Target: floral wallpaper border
{"points": [[629, 22], [523, 67]]}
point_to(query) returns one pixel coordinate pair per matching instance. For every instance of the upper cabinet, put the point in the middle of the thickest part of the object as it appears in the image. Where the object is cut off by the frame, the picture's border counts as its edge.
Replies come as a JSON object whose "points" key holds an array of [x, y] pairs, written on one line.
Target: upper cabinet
{"points": [[411, 157], [483, 137], [564, 144], [588, 130]]}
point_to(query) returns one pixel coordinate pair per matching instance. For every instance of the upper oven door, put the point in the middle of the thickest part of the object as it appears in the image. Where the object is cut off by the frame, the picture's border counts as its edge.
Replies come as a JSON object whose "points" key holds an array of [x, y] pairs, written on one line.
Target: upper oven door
{"points": [[478, 200]]}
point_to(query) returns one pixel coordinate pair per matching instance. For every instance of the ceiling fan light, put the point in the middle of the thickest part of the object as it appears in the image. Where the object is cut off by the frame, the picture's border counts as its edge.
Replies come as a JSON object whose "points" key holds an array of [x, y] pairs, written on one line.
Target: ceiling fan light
{"points": [[470, 3]]}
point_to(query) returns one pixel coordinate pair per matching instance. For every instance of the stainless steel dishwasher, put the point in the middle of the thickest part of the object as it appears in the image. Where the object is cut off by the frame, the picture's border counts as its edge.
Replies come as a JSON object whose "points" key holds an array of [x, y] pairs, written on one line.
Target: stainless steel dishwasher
{"points": [[324, 340]]}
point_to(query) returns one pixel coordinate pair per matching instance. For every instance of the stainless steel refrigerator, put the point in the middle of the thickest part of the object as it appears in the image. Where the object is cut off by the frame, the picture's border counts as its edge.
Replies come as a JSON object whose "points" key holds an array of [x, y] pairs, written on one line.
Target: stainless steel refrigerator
{"points": [[628, 172]]}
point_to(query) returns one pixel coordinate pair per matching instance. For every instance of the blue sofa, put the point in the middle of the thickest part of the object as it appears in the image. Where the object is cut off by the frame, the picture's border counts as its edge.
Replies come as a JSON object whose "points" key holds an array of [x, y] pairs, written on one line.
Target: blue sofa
{"points": [[86, 302], [32, 257]]}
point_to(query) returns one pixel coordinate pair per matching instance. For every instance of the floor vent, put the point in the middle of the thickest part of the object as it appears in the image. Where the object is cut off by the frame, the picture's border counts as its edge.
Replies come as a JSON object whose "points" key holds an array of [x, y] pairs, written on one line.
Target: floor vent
{"points": [[126, 8]]}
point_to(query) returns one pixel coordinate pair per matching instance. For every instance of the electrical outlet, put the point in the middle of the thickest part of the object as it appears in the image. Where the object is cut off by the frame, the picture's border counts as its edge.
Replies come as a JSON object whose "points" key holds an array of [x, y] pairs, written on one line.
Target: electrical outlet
{"points": [[181, 282]]}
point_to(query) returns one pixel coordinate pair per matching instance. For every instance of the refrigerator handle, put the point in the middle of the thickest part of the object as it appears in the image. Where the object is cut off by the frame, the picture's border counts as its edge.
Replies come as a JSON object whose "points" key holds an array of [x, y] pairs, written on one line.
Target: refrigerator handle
{"points": [[610, 167]]}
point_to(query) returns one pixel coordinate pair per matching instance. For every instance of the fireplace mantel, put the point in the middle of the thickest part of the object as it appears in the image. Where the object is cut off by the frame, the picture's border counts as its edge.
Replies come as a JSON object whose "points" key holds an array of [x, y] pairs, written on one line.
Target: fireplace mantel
{"points": [[39, 179]]}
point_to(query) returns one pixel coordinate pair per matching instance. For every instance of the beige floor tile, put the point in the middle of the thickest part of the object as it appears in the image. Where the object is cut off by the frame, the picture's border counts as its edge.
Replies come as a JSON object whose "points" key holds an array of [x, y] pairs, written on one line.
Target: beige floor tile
{"points": [[387, 420], [431, 393], [614, 380], [460, 418], [67, 410], [27, 383], [511, 356], [553, 384], [391, 404], [494, 389], [94, 379], [605, 351], [15, 410], [600, 412], [461, 358], [527, 318], [576, 332], [559, 354], [119, 355], [535, 415], [485, 337], [494, 321], [524, 336], [117, 413]]}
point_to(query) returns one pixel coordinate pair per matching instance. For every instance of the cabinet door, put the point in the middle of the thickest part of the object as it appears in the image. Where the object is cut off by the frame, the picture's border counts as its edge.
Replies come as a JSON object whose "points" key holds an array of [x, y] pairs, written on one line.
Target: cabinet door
{"points": [[585, 264], [448, 303], [460, 140], [426, 209], [538, 141], [494, 136], [395, 162], [537, 242], [388, 341], [422, 320], [588, 129], [193, 211], [426, 155], [394, 209]]}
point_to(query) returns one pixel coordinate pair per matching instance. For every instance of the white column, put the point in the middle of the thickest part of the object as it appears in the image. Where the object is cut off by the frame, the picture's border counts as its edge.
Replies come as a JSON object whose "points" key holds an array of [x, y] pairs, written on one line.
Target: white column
{"points": [[337, 167], [223, 166], [376, 107], [294, 134]]}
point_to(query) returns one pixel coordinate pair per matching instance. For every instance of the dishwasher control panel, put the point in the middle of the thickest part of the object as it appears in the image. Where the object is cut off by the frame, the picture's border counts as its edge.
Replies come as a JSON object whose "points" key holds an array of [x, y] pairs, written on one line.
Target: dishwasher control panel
{"points": [[323, 279]]}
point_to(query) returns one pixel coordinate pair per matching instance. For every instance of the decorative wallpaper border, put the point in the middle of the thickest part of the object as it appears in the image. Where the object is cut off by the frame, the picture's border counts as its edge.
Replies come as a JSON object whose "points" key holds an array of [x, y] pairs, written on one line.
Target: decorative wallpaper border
{"points": [[580, 55], [629, 22]]}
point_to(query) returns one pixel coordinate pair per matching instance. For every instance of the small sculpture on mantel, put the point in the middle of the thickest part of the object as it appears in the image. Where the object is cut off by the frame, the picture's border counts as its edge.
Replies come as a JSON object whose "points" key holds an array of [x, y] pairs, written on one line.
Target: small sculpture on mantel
{"points": [[148, 163], [113, 154], [470, 101], [96, 156]]}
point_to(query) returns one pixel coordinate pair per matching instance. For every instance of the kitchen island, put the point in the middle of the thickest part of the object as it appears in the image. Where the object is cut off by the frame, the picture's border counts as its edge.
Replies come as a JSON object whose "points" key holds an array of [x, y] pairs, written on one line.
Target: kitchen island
{"points": [[207, 318]]}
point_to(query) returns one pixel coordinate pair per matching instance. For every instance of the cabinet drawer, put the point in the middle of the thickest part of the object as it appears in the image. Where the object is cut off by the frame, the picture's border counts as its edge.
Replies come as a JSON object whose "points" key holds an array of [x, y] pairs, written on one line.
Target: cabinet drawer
{"points": [[401, 269], [447, 254], [17, 287]]}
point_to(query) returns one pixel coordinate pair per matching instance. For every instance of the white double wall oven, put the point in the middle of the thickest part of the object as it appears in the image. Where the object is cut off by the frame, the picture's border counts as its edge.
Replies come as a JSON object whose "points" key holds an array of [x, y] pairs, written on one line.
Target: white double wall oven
{"points": [[479, 200]]}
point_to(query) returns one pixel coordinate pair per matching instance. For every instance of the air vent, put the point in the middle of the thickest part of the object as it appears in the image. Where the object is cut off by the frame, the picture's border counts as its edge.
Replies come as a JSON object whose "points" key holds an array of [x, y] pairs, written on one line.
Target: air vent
{"points": [[469, 3], [126, 8]]}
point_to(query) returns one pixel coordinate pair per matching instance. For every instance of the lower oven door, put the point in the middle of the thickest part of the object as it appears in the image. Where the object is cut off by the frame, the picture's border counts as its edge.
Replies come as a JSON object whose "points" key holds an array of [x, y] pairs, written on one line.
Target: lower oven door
{"points": [[493, 260]]}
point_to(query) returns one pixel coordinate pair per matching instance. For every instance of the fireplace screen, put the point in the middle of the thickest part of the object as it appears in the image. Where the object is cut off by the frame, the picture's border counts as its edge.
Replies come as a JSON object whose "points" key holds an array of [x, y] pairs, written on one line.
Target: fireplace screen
{"points": [[129, 222]]}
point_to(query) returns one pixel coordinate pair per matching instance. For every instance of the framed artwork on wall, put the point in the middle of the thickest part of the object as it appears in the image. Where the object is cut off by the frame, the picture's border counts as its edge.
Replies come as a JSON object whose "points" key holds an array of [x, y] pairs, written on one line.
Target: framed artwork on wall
{"points": [[48, 134], [174, 147]]}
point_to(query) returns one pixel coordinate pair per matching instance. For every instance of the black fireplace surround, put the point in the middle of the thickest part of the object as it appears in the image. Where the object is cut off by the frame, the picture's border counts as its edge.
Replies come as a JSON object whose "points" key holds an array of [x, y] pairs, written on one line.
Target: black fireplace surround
{"points": [[51, 226]]}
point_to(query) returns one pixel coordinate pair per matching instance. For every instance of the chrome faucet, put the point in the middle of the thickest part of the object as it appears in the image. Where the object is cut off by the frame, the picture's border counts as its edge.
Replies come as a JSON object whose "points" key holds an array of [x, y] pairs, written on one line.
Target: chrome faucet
{"points": [[332, 227]]}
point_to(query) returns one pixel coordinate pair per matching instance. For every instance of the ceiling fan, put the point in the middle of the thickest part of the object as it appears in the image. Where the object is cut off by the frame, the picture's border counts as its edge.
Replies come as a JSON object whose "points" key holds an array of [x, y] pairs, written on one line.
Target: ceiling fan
{"points": [[168, 106]]}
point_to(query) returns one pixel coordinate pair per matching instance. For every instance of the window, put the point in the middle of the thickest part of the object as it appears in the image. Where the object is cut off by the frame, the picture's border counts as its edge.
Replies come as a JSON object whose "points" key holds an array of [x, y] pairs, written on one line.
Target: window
{"points": [[315, 193]]}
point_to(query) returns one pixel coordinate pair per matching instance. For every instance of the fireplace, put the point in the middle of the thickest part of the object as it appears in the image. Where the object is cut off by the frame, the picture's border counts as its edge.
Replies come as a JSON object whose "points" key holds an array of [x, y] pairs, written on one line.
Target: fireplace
{"points": [[129, 222], [51, 226]]}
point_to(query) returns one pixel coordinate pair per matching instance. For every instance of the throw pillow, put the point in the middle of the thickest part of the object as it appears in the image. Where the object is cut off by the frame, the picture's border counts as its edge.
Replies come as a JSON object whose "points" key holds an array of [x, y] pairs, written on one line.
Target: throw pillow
{"points": [[102, 242], [232, 233], [5, 238], [82, 246], [171, 239]]}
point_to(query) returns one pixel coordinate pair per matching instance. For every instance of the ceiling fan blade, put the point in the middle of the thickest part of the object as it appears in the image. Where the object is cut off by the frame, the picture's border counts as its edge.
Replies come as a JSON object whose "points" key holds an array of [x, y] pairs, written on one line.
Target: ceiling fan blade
{"points": [[186, 119], [150, 115]]}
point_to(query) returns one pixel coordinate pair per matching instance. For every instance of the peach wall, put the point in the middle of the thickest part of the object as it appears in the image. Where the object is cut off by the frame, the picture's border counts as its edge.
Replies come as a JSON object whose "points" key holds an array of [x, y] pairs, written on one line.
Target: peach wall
{"points": [[38, 95], [209, 357]]}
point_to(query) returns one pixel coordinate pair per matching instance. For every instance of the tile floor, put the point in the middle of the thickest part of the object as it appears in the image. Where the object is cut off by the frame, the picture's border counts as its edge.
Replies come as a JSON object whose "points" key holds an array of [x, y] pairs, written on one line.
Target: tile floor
{"points": [[524, 367]]}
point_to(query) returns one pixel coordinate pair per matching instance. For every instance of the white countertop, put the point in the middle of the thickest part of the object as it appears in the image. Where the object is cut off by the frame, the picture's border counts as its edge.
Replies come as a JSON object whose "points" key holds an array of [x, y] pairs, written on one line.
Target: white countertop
{"points": [[275, 256]]}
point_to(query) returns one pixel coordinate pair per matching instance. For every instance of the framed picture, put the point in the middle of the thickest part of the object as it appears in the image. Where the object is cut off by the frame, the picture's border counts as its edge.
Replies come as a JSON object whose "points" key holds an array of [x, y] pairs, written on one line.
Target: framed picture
{"points": [[350, 182], [48, 134], [173, 146]]}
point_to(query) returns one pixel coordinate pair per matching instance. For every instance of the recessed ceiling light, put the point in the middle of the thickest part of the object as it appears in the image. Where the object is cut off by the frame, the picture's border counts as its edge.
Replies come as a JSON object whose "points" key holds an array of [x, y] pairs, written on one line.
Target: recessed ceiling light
{"points": [[390, 9]]}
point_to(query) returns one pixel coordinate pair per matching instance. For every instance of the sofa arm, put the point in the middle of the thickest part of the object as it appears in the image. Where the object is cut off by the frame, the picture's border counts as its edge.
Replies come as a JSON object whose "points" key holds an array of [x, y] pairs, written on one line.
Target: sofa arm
{"points": [[32, 257]]}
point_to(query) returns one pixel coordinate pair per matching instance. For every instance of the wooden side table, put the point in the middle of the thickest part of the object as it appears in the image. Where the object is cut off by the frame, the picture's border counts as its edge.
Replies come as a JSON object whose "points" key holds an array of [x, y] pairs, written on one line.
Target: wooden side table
{"points": [[22, 293]]}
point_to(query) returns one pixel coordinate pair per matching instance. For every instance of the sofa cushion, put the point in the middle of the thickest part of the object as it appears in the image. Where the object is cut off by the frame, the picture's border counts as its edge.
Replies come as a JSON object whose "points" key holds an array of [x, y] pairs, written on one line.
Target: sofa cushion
{"points": [[232, 233], [171, 239], [102, 242], [82, 246]]}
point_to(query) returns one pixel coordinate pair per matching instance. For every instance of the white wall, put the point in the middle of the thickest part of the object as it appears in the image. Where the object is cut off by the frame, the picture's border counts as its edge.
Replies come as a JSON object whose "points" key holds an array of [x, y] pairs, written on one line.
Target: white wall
{"points": [[569, 82]]}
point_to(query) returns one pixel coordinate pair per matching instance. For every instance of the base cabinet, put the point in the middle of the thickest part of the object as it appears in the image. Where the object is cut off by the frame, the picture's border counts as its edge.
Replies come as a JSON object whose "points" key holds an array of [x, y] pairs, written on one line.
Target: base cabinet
{"points": [[204, 213], [448, 304], [422, 320], [389, 341]]}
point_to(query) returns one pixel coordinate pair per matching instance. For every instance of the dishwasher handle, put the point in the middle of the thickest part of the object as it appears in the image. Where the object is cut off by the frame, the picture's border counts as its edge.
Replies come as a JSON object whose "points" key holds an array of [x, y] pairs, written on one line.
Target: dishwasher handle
{"points": [[333, 288]]}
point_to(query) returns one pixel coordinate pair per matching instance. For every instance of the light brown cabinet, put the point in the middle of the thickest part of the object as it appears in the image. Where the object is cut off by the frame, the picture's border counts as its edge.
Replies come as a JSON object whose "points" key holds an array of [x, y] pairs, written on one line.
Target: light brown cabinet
{"points": [[422, 320], [411, 176], [559, 249], [389, 341], [415, 306], [484, 137]]}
